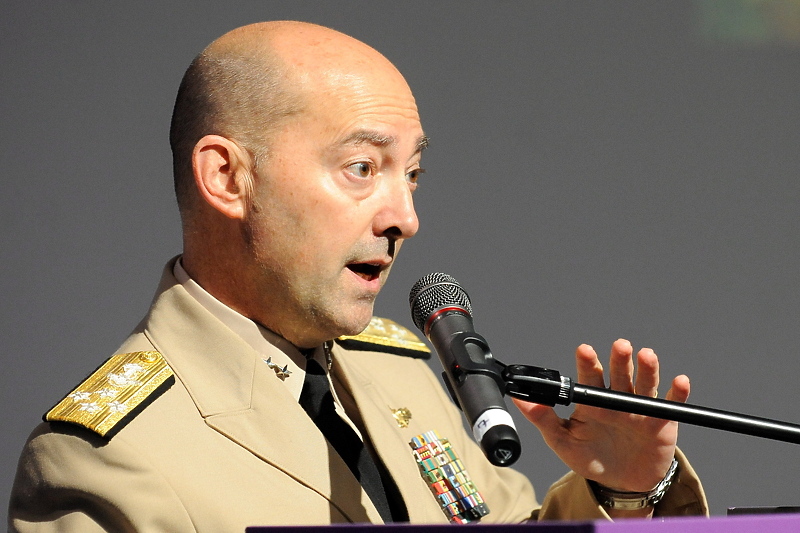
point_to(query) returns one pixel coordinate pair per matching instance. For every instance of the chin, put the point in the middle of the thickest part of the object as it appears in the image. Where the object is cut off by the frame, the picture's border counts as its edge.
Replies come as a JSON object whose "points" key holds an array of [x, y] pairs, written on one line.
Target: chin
{"points": [[357, 320], [354, 328]]}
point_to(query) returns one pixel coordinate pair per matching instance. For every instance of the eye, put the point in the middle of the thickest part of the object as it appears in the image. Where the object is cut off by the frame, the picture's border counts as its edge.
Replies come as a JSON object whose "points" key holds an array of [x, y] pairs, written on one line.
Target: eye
{"points": [[362, 169], [413, 175]]}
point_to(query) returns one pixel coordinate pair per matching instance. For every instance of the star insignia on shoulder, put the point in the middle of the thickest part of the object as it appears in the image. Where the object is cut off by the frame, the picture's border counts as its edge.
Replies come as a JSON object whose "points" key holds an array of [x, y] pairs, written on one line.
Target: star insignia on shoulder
{"points": [[384, 335], [282, 373], [112, 395]]}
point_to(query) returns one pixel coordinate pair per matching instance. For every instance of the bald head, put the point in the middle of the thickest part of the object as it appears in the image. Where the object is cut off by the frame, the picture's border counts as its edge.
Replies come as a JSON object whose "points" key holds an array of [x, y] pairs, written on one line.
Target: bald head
{"points": [[247, 83], [296, 150]]}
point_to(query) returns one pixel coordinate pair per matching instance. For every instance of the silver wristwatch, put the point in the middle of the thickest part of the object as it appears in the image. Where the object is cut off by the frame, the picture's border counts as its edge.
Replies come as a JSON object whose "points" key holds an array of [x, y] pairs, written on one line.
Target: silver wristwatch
{"points": [[630, 501]]}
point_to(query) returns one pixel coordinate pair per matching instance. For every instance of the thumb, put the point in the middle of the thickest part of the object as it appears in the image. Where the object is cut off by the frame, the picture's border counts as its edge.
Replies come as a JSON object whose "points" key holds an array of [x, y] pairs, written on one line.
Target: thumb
{"points": [[542, 416]]}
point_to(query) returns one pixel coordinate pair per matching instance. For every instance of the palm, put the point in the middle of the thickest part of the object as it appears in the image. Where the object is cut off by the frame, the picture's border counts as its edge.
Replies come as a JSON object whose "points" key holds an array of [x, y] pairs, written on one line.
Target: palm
{"points": [[619, 450]]}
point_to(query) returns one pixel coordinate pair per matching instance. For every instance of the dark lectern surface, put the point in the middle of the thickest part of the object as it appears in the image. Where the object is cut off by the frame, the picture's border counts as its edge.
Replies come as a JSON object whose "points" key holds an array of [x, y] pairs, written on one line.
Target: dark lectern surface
{"points": [[779, 523]]}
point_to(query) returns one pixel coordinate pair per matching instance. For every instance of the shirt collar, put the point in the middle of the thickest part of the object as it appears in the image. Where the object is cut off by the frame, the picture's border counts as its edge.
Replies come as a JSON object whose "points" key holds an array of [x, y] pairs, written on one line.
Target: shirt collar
{"points": [[281, 355]]}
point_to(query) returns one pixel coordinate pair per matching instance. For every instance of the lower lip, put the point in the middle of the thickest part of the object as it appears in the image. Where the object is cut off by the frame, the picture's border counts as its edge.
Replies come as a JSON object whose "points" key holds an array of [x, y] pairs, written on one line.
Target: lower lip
{"points": [[373, 285]]}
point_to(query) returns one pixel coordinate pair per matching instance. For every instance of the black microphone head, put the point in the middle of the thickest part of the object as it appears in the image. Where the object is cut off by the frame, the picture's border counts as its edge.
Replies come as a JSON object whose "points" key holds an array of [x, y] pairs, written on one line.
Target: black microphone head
{"points": [[434, 292]]}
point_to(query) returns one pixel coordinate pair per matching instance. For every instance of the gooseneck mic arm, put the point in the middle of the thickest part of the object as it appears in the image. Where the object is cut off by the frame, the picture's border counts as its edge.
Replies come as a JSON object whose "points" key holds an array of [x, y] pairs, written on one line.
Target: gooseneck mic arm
{"points": [[477, 381], [548, 387]]}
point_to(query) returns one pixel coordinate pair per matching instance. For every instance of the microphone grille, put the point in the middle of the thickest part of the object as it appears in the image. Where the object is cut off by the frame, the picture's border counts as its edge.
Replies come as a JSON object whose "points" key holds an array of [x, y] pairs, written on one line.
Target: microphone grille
{"points": [[433, 292]]}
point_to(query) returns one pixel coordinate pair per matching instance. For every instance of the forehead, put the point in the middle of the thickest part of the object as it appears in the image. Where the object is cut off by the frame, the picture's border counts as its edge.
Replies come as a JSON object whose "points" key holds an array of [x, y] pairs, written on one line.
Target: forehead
{"points": [[365, 114], [363, 96]]}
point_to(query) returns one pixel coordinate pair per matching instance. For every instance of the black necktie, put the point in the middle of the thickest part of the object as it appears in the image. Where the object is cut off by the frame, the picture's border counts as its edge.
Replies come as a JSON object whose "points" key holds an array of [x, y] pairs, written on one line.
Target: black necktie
{"points": [[317, 400]]}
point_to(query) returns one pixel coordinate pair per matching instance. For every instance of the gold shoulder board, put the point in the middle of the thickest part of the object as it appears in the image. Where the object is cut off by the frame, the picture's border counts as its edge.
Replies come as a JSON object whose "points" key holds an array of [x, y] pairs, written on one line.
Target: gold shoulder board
{"points": [[384, 335], [108, 399]]}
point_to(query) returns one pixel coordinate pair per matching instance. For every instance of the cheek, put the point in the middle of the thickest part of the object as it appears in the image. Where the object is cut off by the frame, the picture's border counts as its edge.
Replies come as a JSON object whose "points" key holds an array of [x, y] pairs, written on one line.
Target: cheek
{"points": [[314, 221], [335, 222]]}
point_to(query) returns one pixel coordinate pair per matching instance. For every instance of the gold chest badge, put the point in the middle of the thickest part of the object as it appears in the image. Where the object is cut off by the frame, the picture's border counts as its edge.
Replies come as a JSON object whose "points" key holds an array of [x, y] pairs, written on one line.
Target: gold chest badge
{"points": [[402, 416]]}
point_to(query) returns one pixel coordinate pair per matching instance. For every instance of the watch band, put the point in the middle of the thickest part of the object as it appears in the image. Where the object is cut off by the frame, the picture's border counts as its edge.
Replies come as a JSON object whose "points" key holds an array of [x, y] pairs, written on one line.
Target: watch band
{"points": [[630, 501]]}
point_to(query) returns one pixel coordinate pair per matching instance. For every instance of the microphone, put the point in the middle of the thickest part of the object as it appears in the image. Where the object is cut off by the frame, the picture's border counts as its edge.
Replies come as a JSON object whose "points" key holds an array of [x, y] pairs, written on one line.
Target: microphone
{"points": [[441, 309]]}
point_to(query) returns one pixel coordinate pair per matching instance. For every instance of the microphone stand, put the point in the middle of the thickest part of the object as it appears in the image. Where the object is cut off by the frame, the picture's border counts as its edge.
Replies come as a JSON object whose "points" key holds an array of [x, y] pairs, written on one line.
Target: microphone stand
{"points": [[549, 387]]}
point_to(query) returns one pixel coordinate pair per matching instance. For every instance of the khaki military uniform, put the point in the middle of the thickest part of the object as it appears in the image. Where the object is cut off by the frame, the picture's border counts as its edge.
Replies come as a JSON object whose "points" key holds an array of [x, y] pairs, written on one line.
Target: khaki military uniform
{"points": [[197, 433]]}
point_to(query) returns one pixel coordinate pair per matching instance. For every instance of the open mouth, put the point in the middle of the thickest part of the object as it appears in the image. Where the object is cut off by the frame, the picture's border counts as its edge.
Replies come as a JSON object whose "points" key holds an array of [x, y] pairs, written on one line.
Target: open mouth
{"points": [[367, 271]]}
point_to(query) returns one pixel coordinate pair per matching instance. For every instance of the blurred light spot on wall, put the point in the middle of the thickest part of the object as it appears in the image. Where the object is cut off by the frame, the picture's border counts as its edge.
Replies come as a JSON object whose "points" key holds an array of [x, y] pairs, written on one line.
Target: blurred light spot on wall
{"points": [[749, 22]]}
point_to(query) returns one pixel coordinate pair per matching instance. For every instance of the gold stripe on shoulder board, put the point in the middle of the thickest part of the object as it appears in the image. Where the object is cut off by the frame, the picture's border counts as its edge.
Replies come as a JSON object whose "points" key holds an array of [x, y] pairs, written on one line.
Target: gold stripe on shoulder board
{"points": [[388, 333], [112, 391]]}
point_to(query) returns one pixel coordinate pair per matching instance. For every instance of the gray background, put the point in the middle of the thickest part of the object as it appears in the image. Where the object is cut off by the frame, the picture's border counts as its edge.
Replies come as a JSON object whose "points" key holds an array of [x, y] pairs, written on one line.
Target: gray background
{"points": [[597, 170]]}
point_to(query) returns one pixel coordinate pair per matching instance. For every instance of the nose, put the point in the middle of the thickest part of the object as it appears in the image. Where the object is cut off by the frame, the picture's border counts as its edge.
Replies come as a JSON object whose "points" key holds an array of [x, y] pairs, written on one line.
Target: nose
{"points": [[397, 217]]}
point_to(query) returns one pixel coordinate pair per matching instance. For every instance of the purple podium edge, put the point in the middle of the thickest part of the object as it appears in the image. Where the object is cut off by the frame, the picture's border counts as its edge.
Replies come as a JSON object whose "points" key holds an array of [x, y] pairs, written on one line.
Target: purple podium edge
{"points": [[757, 523]]}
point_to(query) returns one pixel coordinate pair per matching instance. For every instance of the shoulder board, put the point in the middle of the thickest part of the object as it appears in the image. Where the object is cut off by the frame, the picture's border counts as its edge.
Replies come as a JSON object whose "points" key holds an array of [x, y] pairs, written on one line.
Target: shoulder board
{"points": [[115, 393], [384, 335]]}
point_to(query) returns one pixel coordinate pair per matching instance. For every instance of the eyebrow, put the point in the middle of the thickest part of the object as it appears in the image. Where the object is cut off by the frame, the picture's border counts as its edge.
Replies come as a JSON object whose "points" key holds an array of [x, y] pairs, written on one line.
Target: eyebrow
{"points": [[378, 139]]}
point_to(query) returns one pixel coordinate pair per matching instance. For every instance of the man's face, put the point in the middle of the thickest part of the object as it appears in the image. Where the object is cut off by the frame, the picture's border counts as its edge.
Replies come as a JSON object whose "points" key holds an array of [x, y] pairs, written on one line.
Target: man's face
{"points": [[332, 204]]}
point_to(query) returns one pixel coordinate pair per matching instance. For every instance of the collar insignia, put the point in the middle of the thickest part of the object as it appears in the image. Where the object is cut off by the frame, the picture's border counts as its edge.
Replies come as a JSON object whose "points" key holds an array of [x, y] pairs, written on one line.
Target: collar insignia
{"points": [[282, 373]]}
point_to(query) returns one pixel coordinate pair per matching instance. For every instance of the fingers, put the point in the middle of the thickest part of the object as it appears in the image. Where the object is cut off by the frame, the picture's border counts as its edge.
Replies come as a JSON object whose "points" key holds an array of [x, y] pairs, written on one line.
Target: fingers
{"points": [[621, 366], [679, 392], [647, 373], [590, 371], [642, 379]]}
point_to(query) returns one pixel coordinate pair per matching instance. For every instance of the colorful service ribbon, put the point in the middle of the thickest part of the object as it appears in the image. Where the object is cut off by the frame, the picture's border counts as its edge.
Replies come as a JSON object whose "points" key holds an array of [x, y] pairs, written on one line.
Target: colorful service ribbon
{"points": [[447, 478]]}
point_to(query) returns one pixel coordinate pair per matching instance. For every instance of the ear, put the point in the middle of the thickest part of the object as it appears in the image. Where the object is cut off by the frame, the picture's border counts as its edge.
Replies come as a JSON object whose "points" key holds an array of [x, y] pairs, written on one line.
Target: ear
{"points": [[223, 175]]}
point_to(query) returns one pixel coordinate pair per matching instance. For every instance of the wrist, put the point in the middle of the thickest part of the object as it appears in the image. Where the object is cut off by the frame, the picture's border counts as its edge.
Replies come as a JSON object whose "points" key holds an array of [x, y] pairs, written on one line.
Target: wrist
{"points": [[633, 501]]}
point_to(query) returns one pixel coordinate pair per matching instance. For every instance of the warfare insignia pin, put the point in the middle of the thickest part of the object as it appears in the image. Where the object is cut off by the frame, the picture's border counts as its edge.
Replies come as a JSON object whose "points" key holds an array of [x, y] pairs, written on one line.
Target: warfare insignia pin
{"points": [[447, 478], [402, 416]]}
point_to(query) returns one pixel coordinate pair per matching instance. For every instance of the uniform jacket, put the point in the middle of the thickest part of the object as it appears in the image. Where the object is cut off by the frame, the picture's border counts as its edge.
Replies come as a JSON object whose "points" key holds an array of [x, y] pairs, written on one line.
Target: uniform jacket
{"points": [[221, 445]]}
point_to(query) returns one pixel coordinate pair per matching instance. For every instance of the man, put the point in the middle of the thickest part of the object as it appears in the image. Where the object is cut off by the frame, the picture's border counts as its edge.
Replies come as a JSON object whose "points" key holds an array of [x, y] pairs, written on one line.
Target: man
{"points": [[296, 153]]}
